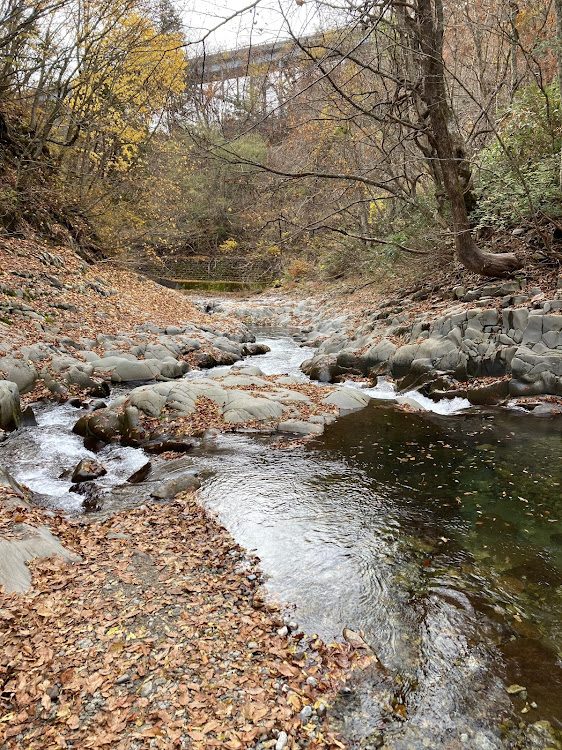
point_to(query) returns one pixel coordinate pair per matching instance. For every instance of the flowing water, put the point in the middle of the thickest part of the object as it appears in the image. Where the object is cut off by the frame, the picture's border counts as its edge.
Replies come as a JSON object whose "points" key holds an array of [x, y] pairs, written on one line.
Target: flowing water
{"points": [[439, 535]]}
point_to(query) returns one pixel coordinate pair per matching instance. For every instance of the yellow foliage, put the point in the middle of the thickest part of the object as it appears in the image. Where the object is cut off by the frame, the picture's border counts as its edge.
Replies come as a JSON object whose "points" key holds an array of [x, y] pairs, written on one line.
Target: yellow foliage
{"points": [[228, 246], [126, 87]]}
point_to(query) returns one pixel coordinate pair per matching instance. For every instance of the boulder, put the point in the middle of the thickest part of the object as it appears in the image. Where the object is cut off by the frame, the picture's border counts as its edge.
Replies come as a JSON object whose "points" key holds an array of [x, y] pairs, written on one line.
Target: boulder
{"points": [[20, 372], [299, 427], [377, 356], [172, 487], [149, 399], [251, 350], [487, 395], [242, 407], [321, 368], [87, 470], [10, 411], [347, 399]]}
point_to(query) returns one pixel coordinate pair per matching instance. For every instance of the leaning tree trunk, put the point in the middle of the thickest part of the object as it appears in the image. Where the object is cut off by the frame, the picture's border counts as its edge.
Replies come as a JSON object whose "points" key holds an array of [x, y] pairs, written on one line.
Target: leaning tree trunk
{"points": [[430, 30]]}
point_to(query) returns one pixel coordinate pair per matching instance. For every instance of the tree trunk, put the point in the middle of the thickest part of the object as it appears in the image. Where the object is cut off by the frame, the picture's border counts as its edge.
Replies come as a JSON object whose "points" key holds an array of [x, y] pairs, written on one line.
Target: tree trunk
{"points": [[558, 7], [429, 20], [514, 49]]}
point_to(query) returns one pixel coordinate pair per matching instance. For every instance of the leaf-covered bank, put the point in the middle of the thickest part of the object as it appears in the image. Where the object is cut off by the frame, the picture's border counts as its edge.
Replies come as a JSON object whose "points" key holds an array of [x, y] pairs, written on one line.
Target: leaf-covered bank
{"points": [[159, 637]]}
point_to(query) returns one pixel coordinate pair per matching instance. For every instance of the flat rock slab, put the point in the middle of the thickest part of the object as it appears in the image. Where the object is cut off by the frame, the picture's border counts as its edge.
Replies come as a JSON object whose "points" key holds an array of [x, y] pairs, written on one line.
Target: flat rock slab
{"points": [[171, 488], [347, 399], [27, 544], [299, 427]]}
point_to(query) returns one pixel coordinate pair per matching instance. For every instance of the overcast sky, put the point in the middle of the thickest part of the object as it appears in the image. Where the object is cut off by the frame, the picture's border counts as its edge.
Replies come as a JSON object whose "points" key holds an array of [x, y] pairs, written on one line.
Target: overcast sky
{"points": [[263, 23]]}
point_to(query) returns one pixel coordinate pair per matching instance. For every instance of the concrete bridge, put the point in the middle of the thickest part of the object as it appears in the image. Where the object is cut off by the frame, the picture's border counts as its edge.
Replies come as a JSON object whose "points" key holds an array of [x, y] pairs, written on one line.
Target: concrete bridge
{"points": [[270, 58]]}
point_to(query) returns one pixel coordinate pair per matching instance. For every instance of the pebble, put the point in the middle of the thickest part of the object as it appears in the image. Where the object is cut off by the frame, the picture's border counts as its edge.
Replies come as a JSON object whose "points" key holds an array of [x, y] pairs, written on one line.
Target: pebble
{"points": [[305, 714], [283, 631], [321, 709], [312, 681], [146, 689], [282, 741], [122, 679], [515, 689]]}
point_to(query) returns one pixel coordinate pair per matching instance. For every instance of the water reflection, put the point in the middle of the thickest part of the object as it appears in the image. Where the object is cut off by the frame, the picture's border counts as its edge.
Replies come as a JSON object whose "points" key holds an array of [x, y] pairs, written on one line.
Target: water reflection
{"points": [[444, 548]]}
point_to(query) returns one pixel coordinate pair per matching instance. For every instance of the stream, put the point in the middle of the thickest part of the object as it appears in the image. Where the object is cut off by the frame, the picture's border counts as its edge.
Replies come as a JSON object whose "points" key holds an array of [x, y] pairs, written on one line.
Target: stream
{"points": [[439, 535]]}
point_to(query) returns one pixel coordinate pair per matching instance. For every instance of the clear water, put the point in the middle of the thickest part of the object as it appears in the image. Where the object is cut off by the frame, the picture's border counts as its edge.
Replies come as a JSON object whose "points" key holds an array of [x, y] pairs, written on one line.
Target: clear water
{"points": [[437, 535]]}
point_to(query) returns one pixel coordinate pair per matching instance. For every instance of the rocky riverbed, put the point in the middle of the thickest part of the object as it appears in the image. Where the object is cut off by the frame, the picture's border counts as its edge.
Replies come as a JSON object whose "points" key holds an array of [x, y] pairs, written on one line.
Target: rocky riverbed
{"points": [[490, 344], [157, 400]]}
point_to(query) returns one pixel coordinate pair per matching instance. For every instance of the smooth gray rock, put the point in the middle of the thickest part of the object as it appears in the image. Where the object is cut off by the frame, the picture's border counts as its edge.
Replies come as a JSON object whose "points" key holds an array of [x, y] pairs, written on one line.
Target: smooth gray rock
{"points": [[241, 407], [10, 409], [378, 354], [31, 543], [148, 399], [533, 330], [20, 372], [402, 359], [347, 399], [299, 427]]}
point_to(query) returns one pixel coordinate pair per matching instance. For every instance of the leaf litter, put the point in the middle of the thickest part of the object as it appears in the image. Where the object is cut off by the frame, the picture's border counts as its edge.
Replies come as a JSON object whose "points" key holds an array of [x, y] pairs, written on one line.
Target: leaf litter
{"points": [[160, 638]]}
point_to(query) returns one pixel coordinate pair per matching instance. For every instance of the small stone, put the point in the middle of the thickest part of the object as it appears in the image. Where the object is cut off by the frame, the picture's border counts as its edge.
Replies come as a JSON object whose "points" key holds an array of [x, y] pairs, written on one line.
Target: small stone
{"points": [[515, 689], [122, 679], [53, 692], [312, 681], [146, 689], [292, 625], [251, 577], [305, 714], [252, 645], [533, 704], [321, 709], [283, 631], [282, 741]]}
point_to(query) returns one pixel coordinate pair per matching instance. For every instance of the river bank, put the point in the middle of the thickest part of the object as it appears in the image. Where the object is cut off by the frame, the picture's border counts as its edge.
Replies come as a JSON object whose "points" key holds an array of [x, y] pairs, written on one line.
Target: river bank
{"points": [[130, 636], [155, 635], [491, 344]]}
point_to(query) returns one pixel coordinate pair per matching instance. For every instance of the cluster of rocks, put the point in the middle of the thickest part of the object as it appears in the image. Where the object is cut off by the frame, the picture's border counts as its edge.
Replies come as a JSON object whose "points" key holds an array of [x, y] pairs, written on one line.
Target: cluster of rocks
{"points": [[241, 397], [160, 481], [476, 338], [148, 353]]}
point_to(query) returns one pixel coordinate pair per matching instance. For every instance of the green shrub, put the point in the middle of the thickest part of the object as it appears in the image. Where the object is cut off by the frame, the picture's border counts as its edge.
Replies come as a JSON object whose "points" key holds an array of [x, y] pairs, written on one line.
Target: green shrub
{"points": [[518, 174]]}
